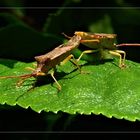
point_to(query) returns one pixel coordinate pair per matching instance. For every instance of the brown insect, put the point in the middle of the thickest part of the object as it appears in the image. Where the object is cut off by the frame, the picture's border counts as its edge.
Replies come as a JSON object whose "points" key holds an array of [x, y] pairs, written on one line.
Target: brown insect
{"points": [[103, 43], [48, 61]]}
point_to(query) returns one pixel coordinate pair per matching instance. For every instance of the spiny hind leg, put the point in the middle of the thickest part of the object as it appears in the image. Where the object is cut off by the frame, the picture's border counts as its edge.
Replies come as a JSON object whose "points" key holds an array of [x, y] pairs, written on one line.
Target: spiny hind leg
{"points": [[118, 53]]}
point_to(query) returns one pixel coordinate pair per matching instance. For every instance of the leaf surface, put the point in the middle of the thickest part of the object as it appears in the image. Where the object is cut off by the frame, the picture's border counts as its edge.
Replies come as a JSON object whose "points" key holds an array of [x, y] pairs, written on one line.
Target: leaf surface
{"points": [[105, 89]]}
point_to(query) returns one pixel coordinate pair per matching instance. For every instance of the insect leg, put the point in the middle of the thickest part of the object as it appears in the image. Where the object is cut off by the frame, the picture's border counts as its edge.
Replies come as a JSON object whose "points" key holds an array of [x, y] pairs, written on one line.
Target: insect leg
{"points": [[58, 85], [118, 53], [124, 55], [29, 68], [20, 82], [72, 59], [21, 77], [85, 52]]}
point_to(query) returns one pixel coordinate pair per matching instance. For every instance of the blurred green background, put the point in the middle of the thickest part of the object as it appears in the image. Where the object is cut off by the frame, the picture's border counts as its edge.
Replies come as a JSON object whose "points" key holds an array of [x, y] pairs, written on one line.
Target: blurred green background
{"points": [[29, 28]]}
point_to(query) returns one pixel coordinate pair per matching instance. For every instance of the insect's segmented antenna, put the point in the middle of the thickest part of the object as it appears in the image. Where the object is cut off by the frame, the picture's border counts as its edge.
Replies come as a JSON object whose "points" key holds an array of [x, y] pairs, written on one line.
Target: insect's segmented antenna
{"points": [[20, 76], [128, 44]]}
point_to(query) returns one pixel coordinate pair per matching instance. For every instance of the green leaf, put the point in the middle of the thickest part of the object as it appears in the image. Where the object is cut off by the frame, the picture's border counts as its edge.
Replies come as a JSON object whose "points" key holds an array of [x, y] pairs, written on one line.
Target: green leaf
{"points": [[105, 89]]}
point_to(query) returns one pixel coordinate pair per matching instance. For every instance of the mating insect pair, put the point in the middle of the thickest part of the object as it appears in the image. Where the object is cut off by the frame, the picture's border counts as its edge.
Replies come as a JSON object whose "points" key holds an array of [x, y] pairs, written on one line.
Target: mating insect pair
{"points": [[95, 41]]}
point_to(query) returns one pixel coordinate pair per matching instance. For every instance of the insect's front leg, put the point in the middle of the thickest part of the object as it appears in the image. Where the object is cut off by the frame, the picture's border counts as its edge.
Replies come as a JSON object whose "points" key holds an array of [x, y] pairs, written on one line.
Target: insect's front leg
{"points": [[30, 68]]}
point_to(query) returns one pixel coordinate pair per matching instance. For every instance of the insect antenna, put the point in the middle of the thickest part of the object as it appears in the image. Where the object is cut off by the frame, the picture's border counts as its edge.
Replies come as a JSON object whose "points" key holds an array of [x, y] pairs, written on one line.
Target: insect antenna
{"points": [[128, 44], [22, 78]]}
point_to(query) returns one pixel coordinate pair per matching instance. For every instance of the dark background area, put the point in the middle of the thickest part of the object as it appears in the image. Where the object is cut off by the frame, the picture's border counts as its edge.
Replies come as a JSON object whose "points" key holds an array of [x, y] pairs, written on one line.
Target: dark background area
{"points": [[117, 16], [125, 22]]}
